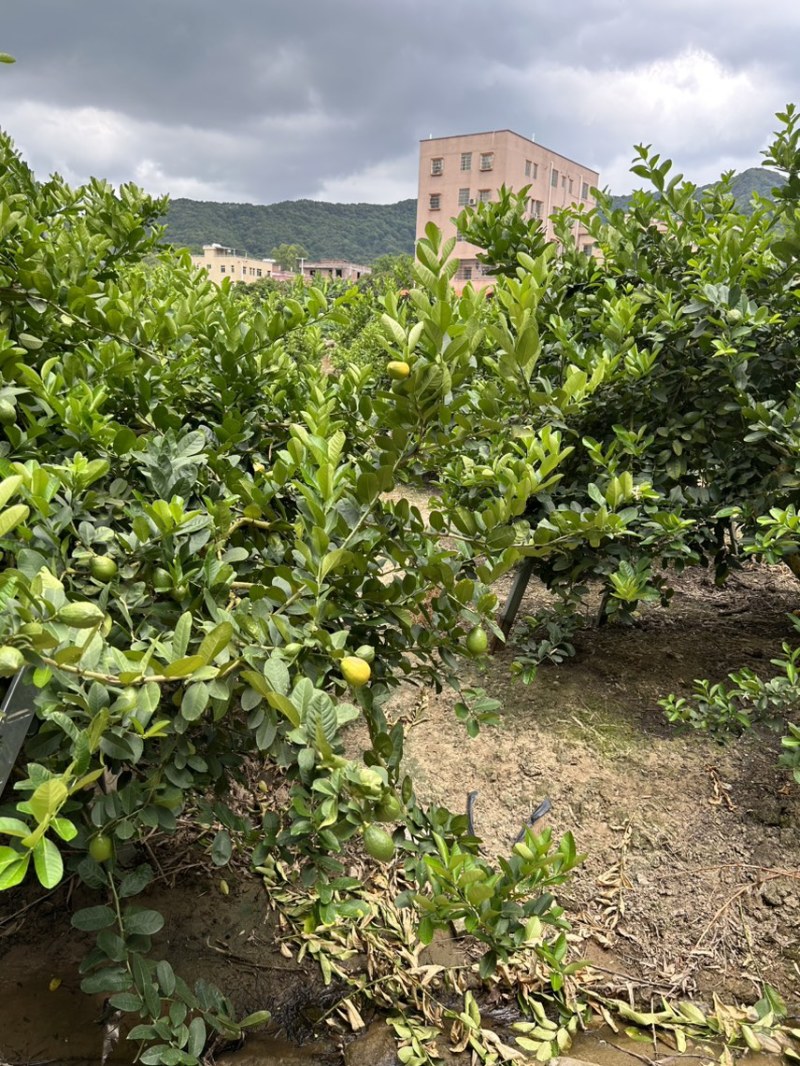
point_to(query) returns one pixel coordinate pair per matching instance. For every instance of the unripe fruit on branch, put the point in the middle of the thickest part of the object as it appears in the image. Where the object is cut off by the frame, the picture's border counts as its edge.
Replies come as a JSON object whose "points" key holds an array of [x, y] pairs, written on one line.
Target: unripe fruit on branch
{"points": [[477, 641], [11, 660], [378, 843], [82, 615]]}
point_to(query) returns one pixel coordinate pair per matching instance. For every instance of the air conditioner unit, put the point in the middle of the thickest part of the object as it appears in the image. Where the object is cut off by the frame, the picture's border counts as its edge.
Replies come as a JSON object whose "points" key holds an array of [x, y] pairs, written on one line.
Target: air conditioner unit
{"points": [[471, 203]]}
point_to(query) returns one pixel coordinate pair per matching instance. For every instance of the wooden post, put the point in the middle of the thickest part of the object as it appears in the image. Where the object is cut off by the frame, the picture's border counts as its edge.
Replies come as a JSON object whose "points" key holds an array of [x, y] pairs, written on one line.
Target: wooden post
{"points": [[16, 714], [511, 607]]}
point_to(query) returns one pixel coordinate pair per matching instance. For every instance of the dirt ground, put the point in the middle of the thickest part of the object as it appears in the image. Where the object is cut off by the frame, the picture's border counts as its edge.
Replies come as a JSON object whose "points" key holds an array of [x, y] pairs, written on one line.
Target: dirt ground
{"points": [[692, 881]]}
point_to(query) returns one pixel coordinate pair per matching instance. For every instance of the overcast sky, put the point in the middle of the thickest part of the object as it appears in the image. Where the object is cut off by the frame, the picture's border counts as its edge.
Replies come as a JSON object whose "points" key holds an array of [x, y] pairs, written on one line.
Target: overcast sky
{"points": [[259, 101]]}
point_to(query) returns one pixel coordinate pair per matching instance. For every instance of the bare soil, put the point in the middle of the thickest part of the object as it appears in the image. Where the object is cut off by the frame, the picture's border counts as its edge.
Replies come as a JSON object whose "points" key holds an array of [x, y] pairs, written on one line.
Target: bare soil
{"points": [[692, 877]]}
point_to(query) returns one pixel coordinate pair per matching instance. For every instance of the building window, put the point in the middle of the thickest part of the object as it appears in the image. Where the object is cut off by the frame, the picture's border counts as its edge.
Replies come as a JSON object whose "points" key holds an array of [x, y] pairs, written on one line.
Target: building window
{"points": [[484, 195], [564, 182], [463, 197], [466, 160], [435, 201], [437, 166], [585, 191], [487, 160], [258, 272], [570, 184], [464, 272], [554, 179], [535, 171], [537, 207], [461, 236], [222, 267]]}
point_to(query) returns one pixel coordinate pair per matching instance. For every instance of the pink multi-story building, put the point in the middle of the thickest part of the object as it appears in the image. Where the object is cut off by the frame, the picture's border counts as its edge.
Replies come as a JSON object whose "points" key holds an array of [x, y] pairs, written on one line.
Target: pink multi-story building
{"points": [[455, 172]]}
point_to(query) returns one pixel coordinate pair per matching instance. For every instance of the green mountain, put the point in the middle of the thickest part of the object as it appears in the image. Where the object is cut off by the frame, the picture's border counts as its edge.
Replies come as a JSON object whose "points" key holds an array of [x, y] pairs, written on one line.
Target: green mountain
{"points": [[756, 179], [357, 232]]}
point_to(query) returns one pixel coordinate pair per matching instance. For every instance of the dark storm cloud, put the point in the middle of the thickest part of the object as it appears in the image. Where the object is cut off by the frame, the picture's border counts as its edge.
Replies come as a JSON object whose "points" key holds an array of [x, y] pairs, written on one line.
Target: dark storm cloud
{"points": [[260, 101]]}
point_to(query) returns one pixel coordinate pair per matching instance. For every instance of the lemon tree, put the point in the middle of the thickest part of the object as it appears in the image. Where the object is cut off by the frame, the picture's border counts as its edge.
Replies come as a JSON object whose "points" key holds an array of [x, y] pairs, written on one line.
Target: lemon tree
{"points": [[204, 561]]}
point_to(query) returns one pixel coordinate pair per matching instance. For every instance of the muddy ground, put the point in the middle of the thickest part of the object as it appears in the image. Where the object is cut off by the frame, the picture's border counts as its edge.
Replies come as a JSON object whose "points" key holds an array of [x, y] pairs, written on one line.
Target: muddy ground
{"points": [[692, 880]]}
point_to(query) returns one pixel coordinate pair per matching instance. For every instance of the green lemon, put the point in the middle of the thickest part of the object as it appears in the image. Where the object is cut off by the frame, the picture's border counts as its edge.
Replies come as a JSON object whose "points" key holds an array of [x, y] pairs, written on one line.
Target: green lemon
{"points": [[477, 641], [102, 568], [100, 848], [81, 615], [366, 652], [378, 843], [371, 782], [11, 660], [162, 579], [398, 370], [389, 809], [355, 671]]}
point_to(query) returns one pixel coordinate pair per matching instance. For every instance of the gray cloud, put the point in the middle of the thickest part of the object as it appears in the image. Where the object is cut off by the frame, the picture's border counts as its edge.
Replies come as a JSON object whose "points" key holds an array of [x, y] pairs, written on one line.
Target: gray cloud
{"points": [[261, 102]]}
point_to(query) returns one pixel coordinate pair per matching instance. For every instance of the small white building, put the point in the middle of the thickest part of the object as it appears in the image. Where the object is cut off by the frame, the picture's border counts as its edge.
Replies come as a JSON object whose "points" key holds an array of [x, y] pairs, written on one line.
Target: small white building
{"points": [[222, 262]]}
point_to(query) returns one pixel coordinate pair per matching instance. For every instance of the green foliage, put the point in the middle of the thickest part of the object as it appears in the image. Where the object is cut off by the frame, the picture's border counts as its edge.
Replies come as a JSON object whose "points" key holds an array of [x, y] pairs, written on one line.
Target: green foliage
{"points": [[177, 1021], [238, 497], [288, 256], [507, 909], [755, 181], [666, 369], [390, 272], [544, 637], [503, 232], [746, 700], [357, 232]]}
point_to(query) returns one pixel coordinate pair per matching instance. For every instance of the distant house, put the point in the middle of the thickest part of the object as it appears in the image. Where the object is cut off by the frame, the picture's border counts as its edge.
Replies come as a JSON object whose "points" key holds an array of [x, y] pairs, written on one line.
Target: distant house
{"points": [[222, 262], [333, 269]]}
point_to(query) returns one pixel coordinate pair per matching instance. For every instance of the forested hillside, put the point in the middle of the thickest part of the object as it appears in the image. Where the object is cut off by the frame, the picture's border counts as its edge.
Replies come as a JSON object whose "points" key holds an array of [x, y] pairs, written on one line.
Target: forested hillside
{"points": [[756, 179], [358, 232]]}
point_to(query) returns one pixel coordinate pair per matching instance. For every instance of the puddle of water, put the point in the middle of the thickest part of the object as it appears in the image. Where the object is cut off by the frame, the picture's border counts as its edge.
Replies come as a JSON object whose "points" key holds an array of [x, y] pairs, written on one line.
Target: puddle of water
{"points": [[39, 1025], [268, 1051], [604, 1047]]}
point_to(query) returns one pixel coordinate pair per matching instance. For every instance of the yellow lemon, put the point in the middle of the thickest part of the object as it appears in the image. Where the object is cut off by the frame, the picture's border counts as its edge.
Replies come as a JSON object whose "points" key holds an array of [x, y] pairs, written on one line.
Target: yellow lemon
{"points": [[355, 671], [398, 370]]}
